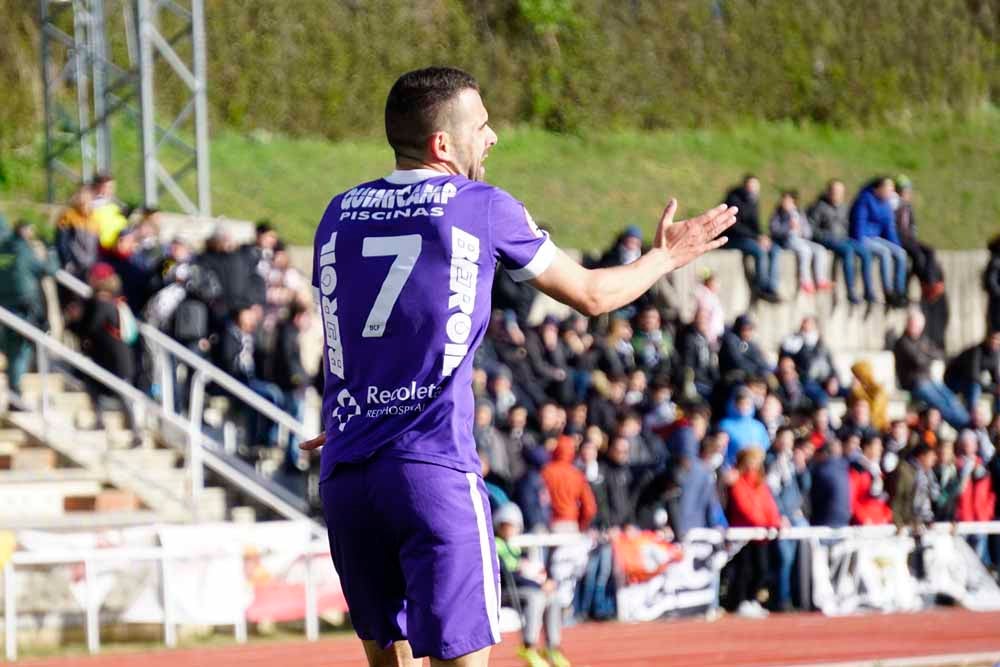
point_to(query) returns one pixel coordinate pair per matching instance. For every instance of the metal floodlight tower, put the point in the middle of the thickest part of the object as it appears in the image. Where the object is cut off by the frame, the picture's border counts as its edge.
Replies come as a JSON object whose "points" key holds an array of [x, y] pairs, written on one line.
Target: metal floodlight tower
{"points": [[105, 89]]}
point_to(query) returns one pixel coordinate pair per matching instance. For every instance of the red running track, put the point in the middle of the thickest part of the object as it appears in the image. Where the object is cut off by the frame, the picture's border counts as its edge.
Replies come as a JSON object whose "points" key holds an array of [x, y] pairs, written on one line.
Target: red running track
{"points": [[790, 639]]}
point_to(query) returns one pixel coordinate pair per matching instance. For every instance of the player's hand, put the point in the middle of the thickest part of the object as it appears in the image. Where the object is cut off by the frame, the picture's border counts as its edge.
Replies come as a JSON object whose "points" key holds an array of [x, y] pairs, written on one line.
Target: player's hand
{"points": [[687, 240], [315, 443]]}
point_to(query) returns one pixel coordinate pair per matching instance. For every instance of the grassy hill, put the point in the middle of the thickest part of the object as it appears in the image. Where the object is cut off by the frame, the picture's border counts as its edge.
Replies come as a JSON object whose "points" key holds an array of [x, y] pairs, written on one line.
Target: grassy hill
{"points": [[586, 187]]}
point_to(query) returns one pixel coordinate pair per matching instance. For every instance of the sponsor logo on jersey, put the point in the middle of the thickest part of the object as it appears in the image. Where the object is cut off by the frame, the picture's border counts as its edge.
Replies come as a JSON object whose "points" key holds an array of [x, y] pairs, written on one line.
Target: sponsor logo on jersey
{"points": [[464, 274], [346, 410], [412, 201], [399, 400], [328, 306]]}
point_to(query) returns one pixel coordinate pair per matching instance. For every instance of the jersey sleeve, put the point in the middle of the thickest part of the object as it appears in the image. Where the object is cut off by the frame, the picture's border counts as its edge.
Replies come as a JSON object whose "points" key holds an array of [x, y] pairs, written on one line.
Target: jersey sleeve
{"points": [[524, 250]]}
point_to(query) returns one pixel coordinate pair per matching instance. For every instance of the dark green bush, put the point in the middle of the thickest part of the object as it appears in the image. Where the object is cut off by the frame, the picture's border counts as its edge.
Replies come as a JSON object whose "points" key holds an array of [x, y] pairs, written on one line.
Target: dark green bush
{"points": [[323, 67]]}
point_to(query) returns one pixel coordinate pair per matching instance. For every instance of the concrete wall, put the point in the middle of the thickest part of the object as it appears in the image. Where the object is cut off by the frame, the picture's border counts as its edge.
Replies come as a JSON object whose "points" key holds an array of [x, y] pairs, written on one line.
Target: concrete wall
{"points": [[845, 329]]}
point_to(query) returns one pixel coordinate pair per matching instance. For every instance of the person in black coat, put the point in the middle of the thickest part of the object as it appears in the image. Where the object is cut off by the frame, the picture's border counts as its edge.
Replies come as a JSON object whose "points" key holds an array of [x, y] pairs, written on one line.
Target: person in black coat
{"points": [[965, 374], [991, 283], [619, 486], [108, 333], [740, 357], [697, 362], [830, 494], [238, 278], [746, 237]]}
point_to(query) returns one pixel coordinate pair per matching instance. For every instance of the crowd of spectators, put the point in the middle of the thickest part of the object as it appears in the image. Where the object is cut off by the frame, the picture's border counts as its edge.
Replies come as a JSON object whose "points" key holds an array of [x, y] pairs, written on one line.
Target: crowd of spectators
{"points": [[242, 307], [878, 225], [644, 420], [640, 419]]}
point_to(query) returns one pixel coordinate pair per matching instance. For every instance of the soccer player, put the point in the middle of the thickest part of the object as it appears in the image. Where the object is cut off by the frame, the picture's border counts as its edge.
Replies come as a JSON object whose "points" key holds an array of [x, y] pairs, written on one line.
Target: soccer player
{"points": [[403, 267]]}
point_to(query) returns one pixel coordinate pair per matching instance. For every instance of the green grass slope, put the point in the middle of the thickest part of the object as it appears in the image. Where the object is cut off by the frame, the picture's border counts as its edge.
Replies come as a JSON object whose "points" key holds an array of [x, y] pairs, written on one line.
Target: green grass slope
{"points": [[585, 188]]}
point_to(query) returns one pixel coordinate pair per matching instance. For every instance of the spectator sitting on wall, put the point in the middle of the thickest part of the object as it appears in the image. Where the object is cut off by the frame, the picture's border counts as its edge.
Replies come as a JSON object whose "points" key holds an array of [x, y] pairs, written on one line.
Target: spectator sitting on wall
{"points": [[830, 492], [77, 240], [791, 230], [925, 264], [991, 283], [573, 503], [21, 293], [831, 226], [746, 237], [914, 355], [974, 369], [812, 359], [869, 499], [873, 225]]}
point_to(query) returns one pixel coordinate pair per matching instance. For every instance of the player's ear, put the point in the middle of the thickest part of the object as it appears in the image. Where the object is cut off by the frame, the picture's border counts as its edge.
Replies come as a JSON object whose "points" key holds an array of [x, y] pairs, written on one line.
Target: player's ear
{"points": [[439, 147]]}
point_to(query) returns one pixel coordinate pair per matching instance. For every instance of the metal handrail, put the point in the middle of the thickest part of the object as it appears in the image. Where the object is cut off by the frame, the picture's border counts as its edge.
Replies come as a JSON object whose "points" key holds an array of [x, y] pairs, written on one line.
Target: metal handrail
{"points": [[206, 368], [198, 454]]}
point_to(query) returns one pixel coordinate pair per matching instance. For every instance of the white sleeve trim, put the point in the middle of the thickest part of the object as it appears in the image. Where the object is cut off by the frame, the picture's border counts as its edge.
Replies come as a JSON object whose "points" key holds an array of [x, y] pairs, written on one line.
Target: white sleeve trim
{"points": [[544, 256]]}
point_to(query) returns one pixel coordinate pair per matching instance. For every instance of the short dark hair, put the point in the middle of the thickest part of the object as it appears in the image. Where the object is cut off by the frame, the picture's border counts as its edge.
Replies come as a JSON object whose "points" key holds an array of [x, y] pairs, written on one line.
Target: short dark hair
{"points": [[414, 103], [101, 179]]}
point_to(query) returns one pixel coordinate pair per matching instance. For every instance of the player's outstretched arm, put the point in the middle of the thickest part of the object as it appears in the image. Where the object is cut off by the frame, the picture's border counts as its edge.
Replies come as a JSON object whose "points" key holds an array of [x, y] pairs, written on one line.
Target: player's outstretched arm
{"points": [[596, 291]]}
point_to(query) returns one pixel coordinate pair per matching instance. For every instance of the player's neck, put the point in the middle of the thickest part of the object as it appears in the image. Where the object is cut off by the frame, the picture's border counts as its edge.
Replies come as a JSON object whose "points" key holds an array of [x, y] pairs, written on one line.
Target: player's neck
{"points": [[407, 164]]}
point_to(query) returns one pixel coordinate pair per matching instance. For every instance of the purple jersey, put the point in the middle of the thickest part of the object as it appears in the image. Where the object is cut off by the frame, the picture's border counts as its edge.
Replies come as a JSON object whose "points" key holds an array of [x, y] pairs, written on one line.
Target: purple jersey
{"points": [[403, 268]]}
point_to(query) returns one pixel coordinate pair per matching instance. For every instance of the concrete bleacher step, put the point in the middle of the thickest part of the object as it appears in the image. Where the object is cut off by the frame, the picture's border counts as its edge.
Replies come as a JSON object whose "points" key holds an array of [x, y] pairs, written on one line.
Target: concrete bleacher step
{"points": [[33, 383]]}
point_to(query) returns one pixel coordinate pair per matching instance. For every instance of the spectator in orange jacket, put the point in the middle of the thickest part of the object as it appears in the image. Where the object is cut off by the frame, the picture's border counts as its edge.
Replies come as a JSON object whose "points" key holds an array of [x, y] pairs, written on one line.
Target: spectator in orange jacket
{"points": [[976, 496], [751, 505], [869, 500], [573, 504]]}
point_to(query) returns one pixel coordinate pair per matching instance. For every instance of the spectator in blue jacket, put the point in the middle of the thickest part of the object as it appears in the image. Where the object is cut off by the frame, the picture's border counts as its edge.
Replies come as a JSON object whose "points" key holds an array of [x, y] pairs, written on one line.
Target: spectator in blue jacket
{"points": [[743, 428], [698, 504], [873, 224], [830, 494], [530, 492]]}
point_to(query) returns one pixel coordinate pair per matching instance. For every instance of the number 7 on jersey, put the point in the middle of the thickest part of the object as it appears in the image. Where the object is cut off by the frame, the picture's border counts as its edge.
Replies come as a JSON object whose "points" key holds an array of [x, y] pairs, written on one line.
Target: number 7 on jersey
{"points": [[406, 250]]}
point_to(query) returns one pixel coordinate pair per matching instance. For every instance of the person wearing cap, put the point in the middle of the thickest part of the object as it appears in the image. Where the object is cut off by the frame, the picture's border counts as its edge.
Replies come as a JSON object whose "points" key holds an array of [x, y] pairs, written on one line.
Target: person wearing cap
{"points": [[746, 237], [526, 585]]}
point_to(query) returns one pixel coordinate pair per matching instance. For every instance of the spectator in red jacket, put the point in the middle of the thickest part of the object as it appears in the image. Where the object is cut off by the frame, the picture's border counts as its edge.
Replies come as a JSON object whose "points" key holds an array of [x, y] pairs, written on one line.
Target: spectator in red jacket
{"points": [[573, 504], [976, 496], [869, 500], [751, 505]]}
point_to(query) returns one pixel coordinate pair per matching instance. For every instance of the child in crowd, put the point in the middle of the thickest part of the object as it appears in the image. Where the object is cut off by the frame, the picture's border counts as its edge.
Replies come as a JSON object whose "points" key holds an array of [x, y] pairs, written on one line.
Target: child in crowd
{"points": [[791, 230]]}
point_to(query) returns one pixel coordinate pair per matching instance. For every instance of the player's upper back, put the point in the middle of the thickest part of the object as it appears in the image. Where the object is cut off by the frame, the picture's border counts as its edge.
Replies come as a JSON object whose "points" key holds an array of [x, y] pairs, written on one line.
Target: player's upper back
{"points": [[404, 266]]}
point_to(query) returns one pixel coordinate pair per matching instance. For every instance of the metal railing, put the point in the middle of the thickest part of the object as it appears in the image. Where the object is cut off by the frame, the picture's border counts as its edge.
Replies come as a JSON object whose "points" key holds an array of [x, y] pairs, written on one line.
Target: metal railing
{"points": [[319, 547], [197, 454], [205, 372]]}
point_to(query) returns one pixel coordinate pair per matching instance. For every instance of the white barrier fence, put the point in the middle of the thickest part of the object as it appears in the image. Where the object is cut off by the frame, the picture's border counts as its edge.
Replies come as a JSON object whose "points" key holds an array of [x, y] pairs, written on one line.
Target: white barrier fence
{"points": [[166, 558]]}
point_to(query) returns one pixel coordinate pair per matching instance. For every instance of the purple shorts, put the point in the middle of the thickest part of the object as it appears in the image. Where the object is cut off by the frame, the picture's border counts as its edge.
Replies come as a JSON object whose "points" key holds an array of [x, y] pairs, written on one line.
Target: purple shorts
{"points": [[413, 545]]}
